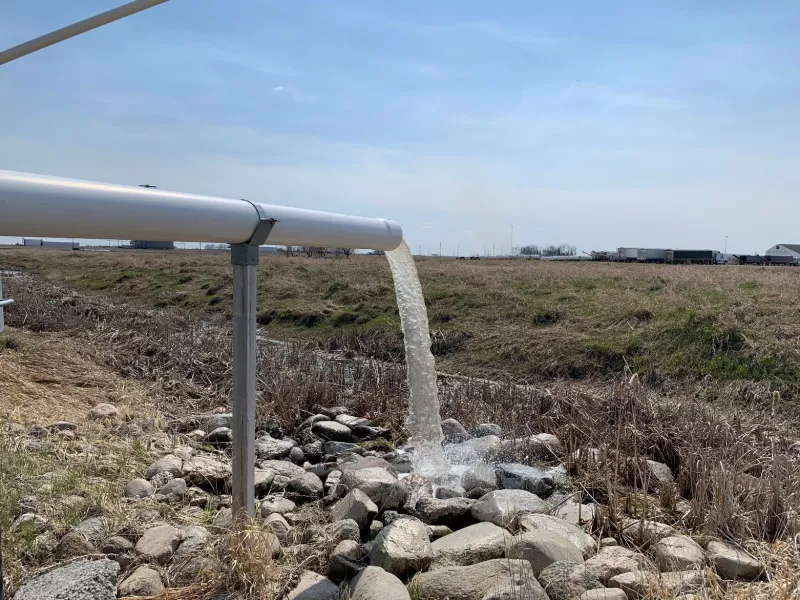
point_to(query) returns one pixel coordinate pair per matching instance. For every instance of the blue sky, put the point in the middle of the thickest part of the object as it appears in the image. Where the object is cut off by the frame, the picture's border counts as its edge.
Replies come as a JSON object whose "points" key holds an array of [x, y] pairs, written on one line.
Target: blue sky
{"points": [[598, 124]]}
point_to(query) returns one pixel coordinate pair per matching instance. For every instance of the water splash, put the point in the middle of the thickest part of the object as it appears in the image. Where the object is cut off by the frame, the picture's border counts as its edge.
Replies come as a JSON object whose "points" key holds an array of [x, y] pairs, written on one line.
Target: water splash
{"points": [[424, 421]]}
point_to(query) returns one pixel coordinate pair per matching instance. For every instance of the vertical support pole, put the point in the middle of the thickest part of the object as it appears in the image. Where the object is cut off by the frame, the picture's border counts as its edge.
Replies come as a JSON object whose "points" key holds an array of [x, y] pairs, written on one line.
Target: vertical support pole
{"points": [[245, 275]]}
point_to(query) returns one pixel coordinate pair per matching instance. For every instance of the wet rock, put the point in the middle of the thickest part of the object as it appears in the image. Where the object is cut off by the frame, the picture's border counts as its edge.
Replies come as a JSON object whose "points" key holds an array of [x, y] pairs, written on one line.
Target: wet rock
{"points": [[564, 580], [402, 548], [84, 579], [366, 432], [103, 411], [381, 487], [311, 420], [445, 492], [220, 437], [501, 507], [732, 562], [480, 476], [373, 583], [268, 448], [482, 581], [345, 560], [485, 429], [454, 432], [276, 504], [332, 431], [138, 488], [144, 581], [615, 560], [73, 544], [453, 512], [158, 544], [350, 421], [355, 505], [679, 553], [418, 487], [582, 540], [474, 450], [473, 544], [338, 448], [313, 586], [542, 548], [515, 476]]}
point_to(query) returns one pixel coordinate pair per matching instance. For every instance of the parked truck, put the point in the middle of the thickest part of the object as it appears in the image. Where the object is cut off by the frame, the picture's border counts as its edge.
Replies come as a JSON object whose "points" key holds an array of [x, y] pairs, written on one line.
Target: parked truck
{"points": [[650, 255], [690, 257], [628, 254]]}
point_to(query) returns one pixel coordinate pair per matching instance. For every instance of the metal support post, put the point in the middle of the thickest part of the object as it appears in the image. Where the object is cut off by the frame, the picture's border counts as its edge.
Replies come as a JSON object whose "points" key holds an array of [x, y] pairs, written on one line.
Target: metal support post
{"points": [[244, 258]]}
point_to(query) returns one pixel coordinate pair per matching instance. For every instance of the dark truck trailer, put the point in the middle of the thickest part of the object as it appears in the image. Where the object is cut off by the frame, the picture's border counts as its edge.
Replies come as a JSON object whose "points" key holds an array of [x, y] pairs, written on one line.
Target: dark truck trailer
{"points": [[773, 259], [696, 257], [750, 259]]}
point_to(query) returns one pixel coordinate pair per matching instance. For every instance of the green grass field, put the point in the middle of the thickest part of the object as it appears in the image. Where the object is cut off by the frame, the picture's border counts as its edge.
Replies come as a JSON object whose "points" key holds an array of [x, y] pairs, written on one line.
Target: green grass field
{"points": [[528, 320]]}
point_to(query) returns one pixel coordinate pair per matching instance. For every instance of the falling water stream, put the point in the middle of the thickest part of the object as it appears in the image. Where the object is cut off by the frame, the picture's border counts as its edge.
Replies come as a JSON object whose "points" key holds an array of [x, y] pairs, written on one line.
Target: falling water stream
{"points": [[424, 421]]}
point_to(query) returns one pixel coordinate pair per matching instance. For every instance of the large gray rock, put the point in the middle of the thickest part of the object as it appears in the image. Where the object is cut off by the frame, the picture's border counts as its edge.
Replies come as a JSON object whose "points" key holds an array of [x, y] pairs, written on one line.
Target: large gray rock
{"points": [[313, 586], [575, 513], [564, 580], [638, 584], [402, 548], [221, 436], [103, 411], [474, 450], [732, 562], [207, 473], [453, 512], [605, 594], [332, 431], [373, 583], [174, 490], [345, 561], [660, 474], [501, 507], [166, 464], [516, 476], [138, 488], [381, 487], [298, 483], [268, 448], [492, 579], [584, 542], [418, 487], [278, 525], [84, 579], [93, 529], [355, 505], [144, 581], [193, 540], [480, 476], [477, 543], [158, 544], [454, 432], [333, 449], [542, 548], [350, 421], [73, 544], [615, 560], [679, 553], [220, 420], [276, 504]]}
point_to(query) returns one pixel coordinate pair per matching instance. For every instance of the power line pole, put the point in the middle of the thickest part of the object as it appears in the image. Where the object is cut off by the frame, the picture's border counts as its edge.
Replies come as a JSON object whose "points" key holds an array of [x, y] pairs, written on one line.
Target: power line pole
{"points": [[726, 244], [440, 249]]}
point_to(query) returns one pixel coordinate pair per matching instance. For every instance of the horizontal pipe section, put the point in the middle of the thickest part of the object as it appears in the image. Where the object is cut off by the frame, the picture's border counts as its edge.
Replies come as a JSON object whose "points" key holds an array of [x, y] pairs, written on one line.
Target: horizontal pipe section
{"points": [[43, 206]]}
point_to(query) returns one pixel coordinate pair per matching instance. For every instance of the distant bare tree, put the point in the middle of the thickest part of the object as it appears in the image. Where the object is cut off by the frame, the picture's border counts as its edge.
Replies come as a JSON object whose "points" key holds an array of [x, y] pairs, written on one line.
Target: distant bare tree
{"points": [[530, 250], [346, 251]]}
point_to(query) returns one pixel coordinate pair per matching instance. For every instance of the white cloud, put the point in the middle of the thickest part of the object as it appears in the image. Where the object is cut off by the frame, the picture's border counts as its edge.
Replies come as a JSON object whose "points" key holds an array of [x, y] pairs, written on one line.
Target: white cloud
{"points": [[427, 225], [279, 88]]}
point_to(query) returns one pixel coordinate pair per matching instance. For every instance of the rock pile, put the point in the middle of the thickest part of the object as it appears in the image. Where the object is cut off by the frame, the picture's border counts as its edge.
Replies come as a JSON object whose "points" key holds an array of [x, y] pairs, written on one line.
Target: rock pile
{"points": [[509, 528]]}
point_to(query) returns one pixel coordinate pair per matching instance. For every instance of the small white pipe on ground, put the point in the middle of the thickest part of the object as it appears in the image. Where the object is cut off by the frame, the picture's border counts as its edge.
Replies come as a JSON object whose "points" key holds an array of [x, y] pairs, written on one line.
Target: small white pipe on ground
{"points": [[43, 206]]}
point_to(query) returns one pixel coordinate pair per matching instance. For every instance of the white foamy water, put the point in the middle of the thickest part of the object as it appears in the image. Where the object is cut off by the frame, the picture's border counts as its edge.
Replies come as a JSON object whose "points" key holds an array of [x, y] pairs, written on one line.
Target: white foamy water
{"points": [[424, 422]]}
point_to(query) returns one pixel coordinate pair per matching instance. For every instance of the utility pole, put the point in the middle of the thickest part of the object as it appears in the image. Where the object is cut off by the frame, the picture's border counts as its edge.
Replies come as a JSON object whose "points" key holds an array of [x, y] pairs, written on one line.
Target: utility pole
{"points": [[440, 249], [726, 244], [512, 241], [420, 249]]}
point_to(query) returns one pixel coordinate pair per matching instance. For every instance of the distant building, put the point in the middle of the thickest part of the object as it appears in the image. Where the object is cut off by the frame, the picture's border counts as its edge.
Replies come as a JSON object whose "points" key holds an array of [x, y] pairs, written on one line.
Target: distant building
{"points": [[792, 250], [31, 242], [269, 249], [152, 245], [50, 244]]}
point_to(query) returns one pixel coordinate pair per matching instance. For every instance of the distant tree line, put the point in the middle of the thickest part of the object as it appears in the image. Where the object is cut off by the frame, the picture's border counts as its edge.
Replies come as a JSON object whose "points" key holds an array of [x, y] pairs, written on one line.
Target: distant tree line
{"points": [[551, 250]]}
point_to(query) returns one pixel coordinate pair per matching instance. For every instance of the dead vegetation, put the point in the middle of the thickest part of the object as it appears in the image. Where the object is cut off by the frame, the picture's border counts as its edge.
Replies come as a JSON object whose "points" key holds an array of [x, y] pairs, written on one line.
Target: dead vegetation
{"points": [[736, 461]]}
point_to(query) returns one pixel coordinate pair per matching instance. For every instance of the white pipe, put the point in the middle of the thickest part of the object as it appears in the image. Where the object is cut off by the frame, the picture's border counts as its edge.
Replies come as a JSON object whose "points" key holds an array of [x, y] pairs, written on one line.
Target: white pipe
{"points": [[44, 206], [59, 35]]}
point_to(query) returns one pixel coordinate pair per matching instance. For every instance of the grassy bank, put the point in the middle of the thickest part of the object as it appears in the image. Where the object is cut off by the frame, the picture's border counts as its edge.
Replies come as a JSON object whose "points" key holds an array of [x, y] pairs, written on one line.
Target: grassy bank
{"points": [[525, 319]]}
